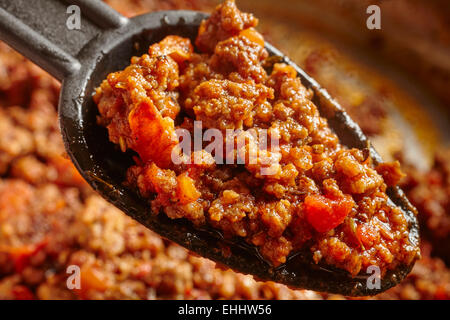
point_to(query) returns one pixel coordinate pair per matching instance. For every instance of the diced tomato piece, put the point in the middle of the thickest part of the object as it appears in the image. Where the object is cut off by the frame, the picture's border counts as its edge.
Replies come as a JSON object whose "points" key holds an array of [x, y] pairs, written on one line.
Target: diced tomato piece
{"points": [[324, 213], [186, 190], [160, 181], [441, 293], [91, 279], [154, 136], [21, 255], [153, 175], [22, 293]]}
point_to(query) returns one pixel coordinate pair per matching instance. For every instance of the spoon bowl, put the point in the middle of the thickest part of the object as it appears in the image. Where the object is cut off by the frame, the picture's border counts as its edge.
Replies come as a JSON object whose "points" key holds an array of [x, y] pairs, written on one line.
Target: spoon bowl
{"points": [[104, 167], [100, 163]]}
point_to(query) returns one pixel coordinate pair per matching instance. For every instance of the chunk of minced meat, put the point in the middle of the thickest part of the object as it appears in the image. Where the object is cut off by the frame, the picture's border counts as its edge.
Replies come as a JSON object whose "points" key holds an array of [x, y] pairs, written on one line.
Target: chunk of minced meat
{"points": [[224, 104], [240, 59], [285, 181], [225, 21]]}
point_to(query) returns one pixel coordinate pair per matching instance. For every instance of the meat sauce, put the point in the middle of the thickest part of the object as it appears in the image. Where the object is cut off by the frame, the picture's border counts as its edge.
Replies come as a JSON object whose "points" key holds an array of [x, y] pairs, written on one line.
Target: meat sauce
{"points": [[318, 194]]}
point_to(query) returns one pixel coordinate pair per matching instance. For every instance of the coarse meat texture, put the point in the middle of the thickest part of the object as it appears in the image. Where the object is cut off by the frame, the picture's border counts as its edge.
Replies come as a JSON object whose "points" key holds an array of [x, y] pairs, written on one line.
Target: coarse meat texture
{"points": [[42, 235], [50, 219], [430, 193], [313, 192]]}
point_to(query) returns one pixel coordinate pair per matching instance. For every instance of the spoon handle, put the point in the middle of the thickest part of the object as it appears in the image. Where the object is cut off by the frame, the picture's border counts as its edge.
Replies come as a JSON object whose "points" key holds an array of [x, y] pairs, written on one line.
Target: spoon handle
{"points": [[52, 33]]}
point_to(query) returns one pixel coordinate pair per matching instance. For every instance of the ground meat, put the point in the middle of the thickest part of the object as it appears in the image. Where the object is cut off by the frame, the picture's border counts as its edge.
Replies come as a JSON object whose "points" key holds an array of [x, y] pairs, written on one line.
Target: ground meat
{"points": [[239, 59], [342, 209], [429, 280], [430, 193], [368, 111], [391, 173], [226, 21], [16, 142], [134, 262], [223, 104], [148, 118], [50, 220]]}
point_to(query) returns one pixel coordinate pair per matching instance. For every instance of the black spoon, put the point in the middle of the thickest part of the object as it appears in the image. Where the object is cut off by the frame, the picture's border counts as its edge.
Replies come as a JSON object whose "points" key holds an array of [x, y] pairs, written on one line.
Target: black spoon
{"points": [[81, 59]]}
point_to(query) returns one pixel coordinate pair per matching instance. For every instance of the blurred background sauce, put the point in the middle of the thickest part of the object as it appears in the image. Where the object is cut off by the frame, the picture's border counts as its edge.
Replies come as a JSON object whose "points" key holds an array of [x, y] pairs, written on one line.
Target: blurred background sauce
{"points": [[395, 82]]}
